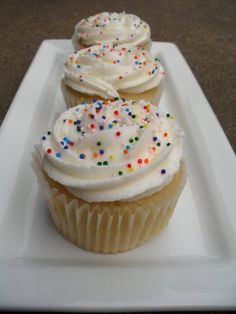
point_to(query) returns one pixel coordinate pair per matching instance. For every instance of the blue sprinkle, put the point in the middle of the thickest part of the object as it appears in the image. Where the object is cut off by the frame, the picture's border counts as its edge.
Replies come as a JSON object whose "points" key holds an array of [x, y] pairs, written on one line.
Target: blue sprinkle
{"points": [[78, 121], [82, 156], [66, 147], [127, 146], [62, 143], [64, 120], [78, 66], [101, 151], [44, 138], [110, 126], [127, 109], [130, 113], [136, 62], [58, 155], [65, 139]]}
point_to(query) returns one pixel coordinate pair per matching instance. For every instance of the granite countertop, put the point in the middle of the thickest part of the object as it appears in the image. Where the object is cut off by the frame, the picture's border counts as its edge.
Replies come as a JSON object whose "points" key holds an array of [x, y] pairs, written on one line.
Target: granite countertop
{"points": [[204, 30]]}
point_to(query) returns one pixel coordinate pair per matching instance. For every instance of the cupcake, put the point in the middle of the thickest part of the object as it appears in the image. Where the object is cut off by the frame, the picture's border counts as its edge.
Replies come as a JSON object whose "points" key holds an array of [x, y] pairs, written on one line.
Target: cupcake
{"points": [[112, 28], [112, 172], [110, 72]]}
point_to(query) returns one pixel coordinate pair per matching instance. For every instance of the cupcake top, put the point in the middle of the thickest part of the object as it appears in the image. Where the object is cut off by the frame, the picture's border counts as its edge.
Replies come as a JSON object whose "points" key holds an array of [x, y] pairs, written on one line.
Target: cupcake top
{"points": [[113, 151], [119, 28], [105, 70]]}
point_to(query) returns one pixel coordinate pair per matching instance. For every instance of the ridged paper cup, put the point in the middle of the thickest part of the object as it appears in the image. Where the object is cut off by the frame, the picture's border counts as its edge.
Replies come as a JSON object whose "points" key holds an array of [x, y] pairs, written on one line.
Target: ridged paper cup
{"points": [[74, 98], [109, 227], [77, 45]]}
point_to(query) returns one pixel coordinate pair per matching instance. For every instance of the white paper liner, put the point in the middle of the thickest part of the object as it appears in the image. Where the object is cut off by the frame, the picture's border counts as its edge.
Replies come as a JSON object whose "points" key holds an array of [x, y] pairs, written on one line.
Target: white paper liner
{"points": [[77, 45], [113, 226], [73, 98]]}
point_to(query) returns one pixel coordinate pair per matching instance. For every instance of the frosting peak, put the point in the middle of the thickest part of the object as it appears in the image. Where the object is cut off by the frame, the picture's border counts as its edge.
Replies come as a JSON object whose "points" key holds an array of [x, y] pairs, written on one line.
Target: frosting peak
{"points": [[105, 70], [109, 151], [119, 28]]}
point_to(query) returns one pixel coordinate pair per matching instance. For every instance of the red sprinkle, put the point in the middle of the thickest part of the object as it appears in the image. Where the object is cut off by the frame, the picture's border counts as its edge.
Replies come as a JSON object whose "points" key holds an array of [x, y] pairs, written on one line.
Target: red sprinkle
{"points": [[126, 151], [72, 143], [118, 133], [116, 112], [49, 151], [129, 166], [92, 126], [139, 161]]}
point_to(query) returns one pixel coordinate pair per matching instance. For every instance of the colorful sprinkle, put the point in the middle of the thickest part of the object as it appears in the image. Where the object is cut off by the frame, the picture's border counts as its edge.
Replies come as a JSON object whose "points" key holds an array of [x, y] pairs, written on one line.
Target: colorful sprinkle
{"points": [[58, 155], [49, 150], [82, 156]]}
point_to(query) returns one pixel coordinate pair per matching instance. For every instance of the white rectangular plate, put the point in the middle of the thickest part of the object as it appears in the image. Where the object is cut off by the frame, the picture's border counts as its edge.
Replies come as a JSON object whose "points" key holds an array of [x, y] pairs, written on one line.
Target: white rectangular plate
{"points": [[191, 265]]}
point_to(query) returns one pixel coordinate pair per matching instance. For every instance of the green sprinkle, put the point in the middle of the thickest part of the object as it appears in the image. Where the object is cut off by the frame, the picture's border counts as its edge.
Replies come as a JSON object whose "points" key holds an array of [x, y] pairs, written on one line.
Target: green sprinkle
{"points": [[120, 173], [158, 144], [78, 128], [99, 143], [168, 115], [116, 98], [105, 163], [131, 140], [136, 138], [168, 144], [99, 163], [49, 133]]}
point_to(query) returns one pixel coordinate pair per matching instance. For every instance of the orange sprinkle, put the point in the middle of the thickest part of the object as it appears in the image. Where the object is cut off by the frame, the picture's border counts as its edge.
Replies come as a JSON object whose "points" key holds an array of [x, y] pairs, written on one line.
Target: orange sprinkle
{"points": [[146, 160], [126, 151], [70, 121], [165, 134], [95, 155]]}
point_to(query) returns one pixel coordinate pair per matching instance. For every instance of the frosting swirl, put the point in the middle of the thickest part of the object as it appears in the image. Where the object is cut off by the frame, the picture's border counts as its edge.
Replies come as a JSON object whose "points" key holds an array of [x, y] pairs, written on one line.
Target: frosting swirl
{"points": [[105, 70], [119, 28], [109, 151]]}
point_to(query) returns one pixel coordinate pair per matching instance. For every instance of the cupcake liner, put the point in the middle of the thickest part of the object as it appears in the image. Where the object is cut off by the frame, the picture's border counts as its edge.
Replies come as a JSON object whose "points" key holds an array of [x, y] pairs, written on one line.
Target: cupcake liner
{"points": [[77, 45], [109, 227], [73, 98]]}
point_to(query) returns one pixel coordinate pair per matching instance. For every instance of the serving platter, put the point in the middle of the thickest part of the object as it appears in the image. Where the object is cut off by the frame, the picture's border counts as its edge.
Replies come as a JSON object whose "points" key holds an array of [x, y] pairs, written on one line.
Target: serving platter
{"points": [[191, 265]]}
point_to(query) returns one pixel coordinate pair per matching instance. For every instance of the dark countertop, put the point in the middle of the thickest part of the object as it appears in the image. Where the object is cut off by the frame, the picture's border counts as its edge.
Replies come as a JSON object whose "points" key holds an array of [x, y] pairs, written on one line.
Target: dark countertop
{"points": [[204, 30]]}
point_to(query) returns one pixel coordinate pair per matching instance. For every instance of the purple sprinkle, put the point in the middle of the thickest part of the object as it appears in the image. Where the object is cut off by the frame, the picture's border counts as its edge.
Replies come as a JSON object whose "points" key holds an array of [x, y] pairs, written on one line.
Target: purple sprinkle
{"points": [[163, 171]]}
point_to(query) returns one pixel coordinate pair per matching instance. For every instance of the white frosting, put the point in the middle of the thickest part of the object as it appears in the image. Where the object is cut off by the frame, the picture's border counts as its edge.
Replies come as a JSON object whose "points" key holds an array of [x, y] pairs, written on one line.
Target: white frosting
{"points": [[118, 28], [105, 70], [110, 151]]}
